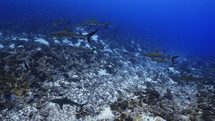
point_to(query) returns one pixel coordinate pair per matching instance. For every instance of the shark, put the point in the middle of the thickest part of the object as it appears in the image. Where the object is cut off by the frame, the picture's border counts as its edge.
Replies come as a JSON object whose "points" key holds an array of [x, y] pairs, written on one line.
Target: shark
{"points": [[157, 55], [191, 78], [70, 35], [93, 22], [212, 69], [60, 22], [65, 100], [82, 25]]}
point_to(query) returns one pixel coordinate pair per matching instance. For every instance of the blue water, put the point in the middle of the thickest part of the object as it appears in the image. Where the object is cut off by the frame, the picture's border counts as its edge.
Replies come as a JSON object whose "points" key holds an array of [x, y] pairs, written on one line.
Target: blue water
{"points": [[180, 25]]}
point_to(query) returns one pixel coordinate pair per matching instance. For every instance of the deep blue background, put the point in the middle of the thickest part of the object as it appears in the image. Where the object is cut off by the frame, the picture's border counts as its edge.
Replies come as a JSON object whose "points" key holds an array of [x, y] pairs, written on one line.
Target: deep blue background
{"points": [[183, 25]]}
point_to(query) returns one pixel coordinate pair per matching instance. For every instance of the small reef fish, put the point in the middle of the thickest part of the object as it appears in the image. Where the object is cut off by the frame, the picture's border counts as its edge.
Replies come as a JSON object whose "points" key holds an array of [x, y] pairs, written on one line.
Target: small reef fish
{"points": [[93, 22], [63, 101], [157, 55], [70, 35]]}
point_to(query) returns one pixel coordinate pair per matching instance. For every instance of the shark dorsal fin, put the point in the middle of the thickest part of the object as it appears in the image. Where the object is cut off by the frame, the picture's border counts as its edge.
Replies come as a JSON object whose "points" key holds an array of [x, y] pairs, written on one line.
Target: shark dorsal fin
{"points": [[157, 51]]}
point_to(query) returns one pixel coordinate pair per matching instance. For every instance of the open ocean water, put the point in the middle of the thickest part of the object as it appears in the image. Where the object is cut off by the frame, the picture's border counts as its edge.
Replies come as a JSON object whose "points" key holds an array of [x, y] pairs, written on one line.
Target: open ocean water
{"points": [[113, 60]]}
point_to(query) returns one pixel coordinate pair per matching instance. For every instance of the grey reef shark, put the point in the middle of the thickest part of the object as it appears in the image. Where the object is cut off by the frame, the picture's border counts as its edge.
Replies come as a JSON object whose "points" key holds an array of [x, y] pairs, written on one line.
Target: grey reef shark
{"points": [[192, 78], [160, 58], [66, 101], [66, 34], [60, 22], [93, 22]]}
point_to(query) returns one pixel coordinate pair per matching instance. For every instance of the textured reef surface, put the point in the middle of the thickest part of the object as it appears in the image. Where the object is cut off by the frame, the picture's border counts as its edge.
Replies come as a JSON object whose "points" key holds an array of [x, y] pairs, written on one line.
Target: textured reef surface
{"points": [[44, 78]]}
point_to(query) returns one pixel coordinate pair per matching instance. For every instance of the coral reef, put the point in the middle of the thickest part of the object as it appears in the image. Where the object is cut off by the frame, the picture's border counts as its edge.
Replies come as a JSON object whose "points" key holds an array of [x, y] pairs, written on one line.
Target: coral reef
{"points": [[108, 73]]}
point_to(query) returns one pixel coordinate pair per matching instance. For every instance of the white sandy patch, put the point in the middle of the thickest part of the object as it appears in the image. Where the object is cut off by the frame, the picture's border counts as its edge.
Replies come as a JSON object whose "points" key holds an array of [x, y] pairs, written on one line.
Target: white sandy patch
{"points": [[42, 41], [66, 41], [14, 38], [24, 39], [39, 49], [106, 114], [20, 46], [12, 46], [148, 79], [75, 76], [173, 70], [103, 72], [78, 44], [138, 46], [107, 50], [80, 29], [84, 33], [193, 69], [95, 37], [137, 54], [147, 117], [1, 46], [56, 42], [103, 42]]}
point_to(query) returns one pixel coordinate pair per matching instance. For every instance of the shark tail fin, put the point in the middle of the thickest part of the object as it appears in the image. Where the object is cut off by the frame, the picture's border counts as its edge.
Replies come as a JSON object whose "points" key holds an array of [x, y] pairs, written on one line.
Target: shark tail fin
{"points": [[107, 25], [90, 35], [173, 58], [61, 106]]}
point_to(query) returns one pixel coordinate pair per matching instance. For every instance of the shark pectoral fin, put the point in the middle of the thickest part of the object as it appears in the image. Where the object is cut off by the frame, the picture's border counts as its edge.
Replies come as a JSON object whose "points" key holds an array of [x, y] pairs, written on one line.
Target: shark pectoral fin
{"points": [[61, 106]]}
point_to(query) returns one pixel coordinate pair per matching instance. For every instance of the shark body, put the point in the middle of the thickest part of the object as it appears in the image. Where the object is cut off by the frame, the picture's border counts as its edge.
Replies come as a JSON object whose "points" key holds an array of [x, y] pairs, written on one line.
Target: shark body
{"points": [[157, 56], [212, 69], [82, 25], [60, 22], [191, 78], [93, 22], [63, 101], [71, 35]]}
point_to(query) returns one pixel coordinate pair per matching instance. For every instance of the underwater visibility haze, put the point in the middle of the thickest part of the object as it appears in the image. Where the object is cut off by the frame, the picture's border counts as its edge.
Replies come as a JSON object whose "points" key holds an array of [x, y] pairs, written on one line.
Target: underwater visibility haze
{"points": [[185, 25], [117, 60]]}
